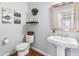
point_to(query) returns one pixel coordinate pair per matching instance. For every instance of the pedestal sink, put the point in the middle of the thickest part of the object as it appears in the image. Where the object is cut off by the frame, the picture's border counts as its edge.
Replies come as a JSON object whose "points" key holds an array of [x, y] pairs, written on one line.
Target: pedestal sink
{"points": [[62, 43]]}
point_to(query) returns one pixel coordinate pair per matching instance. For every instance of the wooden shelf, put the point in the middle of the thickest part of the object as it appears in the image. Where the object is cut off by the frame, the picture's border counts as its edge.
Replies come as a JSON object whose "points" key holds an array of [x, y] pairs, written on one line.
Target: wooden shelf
{"points": [[32, 22]]}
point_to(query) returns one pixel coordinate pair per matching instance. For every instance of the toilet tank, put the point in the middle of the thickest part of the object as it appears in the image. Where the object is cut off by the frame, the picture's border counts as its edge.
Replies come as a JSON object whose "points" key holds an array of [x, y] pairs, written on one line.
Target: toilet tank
{"points": [[30, 37]]}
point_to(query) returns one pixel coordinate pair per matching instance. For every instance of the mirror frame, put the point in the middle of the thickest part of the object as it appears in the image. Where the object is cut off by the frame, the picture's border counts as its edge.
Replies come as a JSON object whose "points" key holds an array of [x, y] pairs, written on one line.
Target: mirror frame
{"points": [[54, 25]]}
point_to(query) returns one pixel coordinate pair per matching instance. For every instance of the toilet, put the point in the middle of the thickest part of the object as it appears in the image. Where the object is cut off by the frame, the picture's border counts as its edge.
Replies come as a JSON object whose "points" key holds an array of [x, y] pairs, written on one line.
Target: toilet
{"points": [[23, 48]]}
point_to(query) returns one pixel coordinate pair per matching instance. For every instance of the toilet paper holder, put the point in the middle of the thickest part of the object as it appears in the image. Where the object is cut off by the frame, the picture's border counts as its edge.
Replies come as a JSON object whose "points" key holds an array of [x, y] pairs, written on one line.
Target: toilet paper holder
{"points": [[5, 41]]}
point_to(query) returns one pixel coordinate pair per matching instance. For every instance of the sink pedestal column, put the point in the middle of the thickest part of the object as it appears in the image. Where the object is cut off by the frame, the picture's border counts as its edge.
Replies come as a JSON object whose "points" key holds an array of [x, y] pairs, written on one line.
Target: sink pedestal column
{"points": [[60, 51]]}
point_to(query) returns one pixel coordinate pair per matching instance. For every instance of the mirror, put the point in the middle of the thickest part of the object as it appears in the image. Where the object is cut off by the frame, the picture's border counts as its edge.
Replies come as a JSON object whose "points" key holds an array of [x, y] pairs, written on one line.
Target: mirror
{"points": [[65, 16], [65, 20]]}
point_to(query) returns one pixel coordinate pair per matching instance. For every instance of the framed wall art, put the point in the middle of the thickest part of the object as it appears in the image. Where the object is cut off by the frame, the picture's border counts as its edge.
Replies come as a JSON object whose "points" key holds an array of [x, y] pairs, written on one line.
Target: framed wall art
{"points": [[17, 17], [7, 16]]}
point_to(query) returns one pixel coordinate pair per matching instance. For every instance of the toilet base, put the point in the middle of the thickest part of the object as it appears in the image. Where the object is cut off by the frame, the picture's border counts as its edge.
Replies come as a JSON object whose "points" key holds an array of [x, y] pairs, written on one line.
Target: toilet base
{"points": [[24, 52]]}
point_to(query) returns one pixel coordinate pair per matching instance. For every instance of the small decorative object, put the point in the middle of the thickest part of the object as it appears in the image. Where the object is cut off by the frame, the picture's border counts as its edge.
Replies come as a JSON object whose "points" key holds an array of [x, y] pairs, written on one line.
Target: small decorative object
{"points": [[7, 15], [32, 18], [34, 11], [17, 18]]}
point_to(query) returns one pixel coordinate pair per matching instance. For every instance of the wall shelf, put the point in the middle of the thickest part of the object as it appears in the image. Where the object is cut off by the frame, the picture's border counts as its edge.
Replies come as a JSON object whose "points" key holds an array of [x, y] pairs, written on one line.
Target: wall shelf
{"points": [[32, 22]]}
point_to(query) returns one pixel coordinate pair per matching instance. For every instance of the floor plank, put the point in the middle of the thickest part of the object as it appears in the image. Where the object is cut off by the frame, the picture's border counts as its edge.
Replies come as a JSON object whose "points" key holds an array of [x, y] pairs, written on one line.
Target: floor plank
{"points": [[31, 53], [34, 53]]}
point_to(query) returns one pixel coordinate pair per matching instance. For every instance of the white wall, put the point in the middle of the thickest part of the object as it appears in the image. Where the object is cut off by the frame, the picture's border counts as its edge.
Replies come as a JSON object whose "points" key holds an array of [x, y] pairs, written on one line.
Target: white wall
{"points": [[15, 31], [43, 29]]}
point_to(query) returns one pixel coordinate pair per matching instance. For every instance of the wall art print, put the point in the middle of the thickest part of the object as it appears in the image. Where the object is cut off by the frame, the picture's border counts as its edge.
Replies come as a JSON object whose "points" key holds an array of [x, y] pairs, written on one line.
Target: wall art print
{"points": [[17, 18], [7, 16]]}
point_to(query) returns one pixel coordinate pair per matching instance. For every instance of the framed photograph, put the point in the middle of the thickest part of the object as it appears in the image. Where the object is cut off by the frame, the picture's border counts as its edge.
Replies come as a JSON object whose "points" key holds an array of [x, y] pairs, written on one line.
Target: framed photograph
{"points": [[7, 16], [17, 17]]}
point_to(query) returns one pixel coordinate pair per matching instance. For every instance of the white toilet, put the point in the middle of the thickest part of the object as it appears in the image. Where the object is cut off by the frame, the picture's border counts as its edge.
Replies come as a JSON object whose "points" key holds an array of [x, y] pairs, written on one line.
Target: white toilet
{"points": [[23, 48]]}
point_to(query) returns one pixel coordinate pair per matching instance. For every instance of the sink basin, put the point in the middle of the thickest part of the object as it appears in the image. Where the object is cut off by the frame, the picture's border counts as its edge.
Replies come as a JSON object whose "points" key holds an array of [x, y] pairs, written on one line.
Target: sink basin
{"points": [[62, 43]]}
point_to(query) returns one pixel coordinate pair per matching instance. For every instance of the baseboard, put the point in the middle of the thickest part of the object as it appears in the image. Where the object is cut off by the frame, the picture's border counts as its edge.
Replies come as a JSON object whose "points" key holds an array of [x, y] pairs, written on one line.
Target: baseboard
{"points": [[38, 50]]}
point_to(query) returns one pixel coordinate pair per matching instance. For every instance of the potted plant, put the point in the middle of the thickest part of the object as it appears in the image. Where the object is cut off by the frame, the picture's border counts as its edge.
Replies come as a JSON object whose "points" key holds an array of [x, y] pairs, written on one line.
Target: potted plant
{"points": [[34, 11]]}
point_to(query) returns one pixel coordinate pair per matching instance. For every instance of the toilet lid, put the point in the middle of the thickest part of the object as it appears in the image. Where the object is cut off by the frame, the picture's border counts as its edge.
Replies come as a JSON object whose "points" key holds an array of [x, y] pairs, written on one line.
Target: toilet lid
{"points": [[22, 46]]}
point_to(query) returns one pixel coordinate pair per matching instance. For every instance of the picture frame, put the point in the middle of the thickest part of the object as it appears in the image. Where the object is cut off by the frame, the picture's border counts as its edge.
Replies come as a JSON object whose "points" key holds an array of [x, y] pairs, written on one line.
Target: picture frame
{"points": [[7, 16], [17, 17]]}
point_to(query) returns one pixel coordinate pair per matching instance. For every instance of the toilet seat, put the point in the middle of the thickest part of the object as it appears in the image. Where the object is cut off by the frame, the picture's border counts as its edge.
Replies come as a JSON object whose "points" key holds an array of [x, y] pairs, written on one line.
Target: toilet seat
{"points": [[22, 46]]}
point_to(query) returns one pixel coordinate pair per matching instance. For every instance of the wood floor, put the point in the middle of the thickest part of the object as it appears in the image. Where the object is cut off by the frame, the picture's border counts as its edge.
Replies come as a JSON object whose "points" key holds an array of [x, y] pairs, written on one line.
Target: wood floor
{"points": [[31, 53]]}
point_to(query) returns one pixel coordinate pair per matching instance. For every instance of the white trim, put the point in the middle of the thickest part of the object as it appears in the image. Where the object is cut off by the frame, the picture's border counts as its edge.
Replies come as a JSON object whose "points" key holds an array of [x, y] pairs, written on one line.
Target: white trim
{"points": [[46, 54]]}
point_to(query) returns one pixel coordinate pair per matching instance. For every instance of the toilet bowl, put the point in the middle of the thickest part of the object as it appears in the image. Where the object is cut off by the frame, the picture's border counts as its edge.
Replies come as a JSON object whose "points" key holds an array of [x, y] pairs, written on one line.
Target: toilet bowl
{"points": [[22, 49]]}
